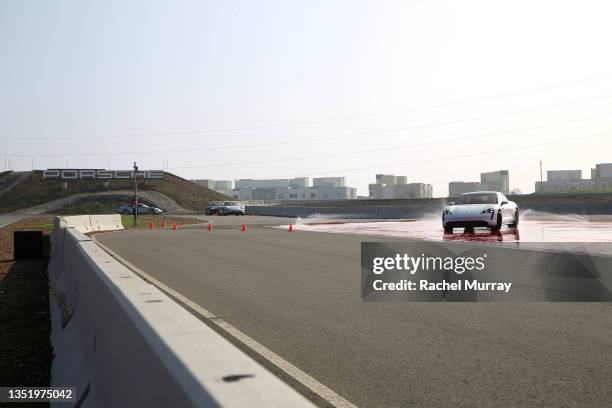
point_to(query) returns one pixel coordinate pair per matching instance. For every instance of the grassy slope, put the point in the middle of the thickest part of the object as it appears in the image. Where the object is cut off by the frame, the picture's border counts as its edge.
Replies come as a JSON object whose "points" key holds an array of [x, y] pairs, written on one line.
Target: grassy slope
{"points": [[95, 205], [35, 190]]}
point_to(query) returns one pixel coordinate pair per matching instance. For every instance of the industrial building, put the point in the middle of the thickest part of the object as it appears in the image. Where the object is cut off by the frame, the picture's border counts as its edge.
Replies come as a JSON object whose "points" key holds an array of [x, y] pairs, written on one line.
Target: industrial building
{"points": [[456, 188], [206, 183], [329, 181], [560, 175], [221, 186], [602, 175], [391, 186], [563, 181], [298, 188], [496, 181], [224, 185], [490, 181], [297, 182]]}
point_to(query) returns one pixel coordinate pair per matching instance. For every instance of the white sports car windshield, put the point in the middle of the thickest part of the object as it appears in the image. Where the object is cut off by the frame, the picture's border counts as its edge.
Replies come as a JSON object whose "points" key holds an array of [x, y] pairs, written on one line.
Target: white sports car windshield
{"points": [[477, 199]]}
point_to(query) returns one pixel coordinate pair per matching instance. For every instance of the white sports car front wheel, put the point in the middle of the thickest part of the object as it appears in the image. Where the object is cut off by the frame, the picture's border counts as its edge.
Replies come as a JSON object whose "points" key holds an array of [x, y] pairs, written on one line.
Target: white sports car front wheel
{"points": [[515, 223]]}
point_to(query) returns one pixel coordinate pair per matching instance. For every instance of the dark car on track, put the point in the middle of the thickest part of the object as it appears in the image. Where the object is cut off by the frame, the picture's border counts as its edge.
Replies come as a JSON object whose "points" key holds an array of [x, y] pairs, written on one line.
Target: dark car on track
{"points": [[142, 209], [213, 207]]}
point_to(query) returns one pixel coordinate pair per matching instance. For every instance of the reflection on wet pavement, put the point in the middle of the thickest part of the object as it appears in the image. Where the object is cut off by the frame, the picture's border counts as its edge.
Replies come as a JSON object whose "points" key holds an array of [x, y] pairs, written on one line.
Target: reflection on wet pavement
{"points": [[527, 231], [484, 235]]}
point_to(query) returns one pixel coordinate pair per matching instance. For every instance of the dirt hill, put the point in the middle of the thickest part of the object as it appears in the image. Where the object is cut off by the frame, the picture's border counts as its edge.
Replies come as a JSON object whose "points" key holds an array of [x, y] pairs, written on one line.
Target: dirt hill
{"points": [[171, 192]]}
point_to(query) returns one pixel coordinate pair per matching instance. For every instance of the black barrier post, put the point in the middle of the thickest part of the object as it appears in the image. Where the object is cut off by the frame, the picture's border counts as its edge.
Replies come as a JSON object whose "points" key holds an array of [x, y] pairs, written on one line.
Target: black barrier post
{"points": [[27, 244]]}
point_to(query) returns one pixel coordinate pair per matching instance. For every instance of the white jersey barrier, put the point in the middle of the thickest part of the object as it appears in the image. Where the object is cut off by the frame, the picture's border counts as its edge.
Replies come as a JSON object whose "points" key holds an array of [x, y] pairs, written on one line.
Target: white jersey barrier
{"points": [[123, 343], [81, 223], [91, 223], [108, 222]]}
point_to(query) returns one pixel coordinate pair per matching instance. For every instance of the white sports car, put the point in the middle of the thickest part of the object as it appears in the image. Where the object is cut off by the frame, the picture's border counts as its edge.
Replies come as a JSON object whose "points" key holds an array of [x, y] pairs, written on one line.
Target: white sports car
{"points": [[489, 209]]}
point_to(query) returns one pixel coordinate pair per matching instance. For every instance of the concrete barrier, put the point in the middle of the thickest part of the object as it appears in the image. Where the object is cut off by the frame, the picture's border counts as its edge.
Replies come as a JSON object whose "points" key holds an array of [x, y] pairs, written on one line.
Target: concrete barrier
{"points": [[81, 223], [107, 222], [592, 208], [416, 211], [91, 223], [122, 342]]}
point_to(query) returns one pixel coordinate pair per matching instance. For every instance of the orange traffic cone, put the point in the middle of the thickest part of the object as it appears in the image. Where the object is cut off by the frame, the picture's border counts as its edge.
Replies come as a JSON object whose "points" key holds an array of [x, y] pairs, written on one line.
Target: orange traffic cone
{"points": [[174, 226], [244, 227], [290, 227], [151, 226], [210, 226], [163, 224]]}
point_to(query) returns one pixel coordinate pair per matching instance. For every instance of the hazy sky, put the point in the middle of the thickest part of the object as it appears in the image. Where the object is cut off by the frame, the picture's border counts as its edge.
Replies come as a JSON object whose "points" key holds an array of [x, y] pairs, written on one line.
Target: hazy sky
{"points": [[434, 90]]}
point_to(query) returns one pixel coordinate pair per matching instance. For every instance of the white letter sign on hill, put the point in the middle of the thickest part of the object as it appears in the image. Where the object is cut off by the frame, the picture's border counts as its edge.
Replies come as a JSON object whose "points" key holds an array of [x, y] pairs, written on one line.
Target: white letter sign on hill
{"points": [[100, 174]]}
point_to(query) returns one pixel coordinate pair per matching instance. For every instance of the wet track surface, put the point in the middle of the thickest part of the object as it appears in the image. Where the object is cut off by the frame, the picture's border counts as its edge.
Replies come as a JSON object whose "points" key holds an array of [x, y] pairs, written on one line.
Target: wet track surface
{"points": [[569, 230]]}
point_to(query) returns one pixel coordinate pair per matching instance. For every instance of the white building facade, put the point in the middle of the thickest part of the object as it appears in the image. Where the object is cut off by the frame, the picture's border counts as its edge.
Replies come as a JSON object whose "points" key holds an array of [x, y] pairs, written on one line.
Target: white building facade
{"points": [[490, 181], [298, 188], [389, 186], [496, 181], [564, 181]]}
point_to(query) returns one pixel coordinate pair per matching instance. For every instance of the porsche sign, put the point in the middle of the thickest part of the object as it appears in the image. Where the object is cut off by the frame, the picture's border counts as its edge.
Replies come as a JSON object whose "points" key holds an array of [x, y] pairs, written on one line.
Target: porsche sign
{"points": [[98, 174]]}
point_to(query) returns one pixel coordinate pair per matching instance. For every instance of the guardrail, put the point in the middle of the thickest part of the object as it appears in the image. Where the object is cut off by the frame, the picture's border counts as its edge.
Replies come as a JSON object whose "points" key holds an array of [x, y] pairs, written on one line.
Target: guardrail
{"points": [[122, 342]]}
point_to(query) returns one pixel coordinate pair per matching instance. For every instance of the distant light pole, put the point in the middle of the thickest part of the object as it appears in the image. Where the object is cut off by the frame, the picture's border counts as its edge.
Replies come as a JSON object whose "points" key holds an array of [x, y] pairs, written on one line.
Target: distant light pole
{"points": [[541, 178], [135, 195]]}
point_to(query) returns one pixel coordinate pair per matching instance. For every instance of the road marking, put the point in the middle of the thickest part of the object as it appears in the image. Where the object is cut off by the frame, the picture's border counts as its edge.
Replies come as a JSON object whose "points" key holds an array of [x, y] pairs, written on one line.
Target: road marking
{"points": [[300, 376]]}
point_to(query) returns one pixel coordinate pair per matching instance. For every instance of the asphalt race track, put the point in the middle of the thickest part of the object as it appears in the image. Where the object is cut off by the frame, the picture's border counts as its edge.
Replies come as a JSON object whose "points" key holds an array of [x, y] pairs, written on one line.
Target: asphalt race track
{"points": [[298, 294]]}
